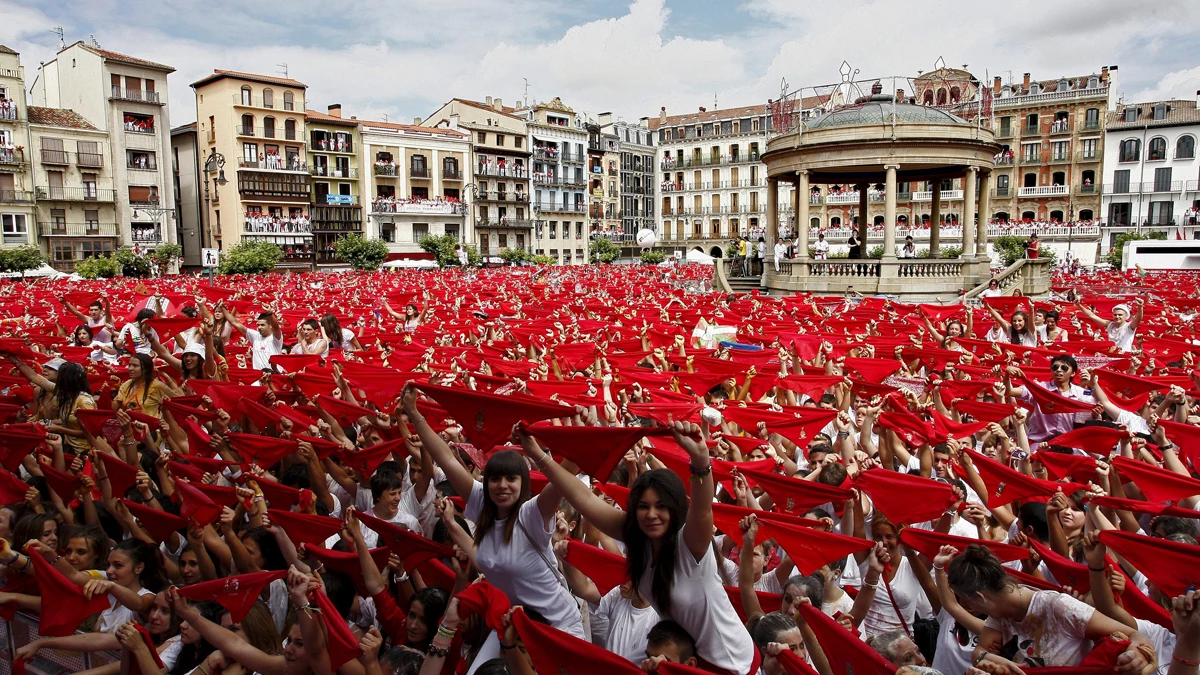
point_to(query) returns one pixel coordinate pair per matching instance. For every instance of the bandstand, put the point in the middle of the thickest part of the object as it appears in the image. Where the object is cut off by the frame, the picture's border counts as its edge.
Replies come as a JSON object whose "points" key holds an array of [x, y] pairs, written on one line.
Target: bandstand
{"points": [[880, 140]]}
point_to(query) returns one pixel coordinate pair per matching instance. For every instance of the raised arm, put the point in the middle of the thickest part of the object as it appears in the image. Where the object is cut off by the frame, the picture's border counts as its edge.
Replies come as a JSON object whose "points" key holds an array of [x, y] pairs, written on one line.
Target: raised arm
{"points": [[607, 519], [697, 529], [461, 479]]}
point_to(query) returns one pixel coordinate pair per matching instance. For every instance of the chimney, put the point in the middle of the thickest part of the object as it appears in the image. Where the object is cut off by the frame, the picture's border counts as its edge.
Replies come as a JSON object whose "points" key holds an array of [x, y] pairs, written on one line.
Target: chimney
{"points": [[1198, 98], [498, 105], [335, 109], [703, 109], [488, 101], [416, 121], [996, 85], [1025, 86]]}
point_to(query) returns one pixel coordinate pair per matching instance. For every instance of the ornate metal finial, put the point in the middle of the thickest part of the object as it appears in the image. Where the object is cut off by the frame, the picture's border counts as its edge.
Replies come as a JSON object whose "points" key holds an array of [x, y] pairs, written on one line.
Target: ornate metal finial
{"points": [[846, 72], [939, 64]]}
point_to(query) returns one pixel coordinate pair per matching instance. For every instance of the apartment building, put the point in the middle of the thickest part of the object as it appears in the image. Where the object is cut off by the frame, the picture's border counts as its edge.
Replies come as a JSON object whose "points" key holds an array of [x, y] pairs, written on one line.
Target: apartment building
{"points": [[1052, 133], [335, 167], [499, 163], [417, 185], [17, 216], [558, 139], [712, 183], [636, 167], [1150, 164], [126, 98], [604, 184], [255, 123], [77, 207]]}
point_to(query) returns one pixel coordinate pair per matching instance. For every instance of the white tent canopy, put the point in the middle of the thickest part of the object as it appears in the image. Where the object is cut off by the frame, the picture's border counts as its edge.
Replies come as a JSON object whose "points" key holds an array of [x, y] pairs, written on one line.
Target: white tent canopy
{"points": [[694, 256]]}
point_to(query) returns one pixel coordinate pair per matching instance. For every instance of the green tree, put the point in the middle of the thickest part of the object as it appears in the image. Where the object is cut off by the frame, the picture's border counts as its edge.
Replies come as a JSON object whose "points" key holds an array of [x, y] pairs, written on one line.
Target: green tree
{"points": [[1010, 248], [514, 256], [132, 264], [603, 251], [653, 256], [362, 254], [442, 248], [250, 257], [1114, 256], [21, 259], [542, 260], [875, 252], [474, 257], [165, 255], [98, 267]]}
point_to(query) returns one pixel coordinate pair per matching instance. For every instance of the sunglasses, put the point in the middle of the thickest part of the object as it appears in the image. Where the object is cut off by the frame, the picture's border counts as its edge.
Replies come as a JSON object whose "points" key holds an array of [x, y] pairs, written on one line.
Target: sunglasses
{"points": [[1059, 366]]}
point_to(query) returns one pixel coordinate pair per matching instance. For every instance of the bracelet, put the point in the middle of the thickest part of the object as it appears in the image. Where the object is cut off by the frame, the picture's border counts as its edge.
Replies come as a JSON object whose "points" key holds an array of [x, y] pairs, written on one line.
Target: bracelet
{"points": [[1177, 659], [870, 585], [979, 659], [403, 578], [441, 652], [1102, 569], [701, 473], [56, 559], [541, 461], [507, 647], [446, 632], [939, 568]]}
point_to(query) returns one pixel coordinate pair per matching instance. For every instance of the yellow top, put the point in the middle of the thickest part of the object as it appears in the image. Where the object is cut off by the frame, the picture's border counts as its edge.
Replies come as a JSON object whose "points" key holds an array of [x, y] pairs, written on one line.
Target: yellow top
{"points": [[133, 396]]}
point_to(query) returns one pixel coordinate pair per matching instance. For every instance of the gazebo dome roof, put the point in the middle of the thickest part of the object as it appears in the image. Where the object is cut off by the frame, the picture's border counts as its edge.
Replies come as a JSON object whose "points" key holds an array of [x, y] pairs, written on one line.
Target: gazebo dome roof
{"points": [[878, 110]]}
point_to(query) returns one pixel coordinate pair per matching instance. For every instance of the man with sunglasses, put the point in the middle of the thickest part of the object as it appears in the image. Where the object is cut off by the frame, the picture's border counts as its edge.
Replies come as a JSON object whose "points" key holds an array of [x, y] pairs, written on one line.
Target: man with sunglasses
{"points": [[1042, 427]]}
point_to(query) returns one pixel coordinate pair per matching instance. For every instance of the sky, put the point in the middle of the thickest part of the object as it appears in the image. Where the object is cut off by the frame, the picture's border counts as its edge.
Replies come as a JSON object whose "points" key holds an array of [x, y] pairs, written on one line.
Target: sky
{"points": [[402, 59]]}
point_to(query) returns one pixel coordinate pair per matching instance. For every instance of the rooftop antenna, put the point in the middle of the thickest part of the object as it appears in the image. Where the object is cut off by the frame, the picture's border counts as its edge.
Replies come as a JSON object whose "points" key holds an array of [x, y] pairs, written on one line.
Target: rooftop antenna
{"points": [[62, 42], [385, 118], [525, 96], [283, 68], [94, 43], [715, 100]]}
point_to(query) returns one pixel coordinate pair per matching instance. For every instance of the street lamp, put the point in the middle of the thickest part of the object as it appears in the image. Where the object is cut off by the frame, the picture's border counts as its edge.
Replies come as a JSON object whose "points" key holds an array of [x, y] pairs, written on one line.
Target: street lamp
{"points": [[214, 163]]}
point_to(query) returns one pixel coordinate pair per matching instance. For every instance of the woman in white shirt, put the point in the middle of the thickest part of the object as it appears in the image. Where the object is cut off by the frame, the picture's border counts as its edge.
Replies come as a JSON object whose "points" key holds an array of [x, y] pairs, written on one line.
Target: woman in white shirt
{"points": [[1017, 330], [512, 528], [134, 575], [338, 337], [668, 545], [1052, 629], [993, 290]]}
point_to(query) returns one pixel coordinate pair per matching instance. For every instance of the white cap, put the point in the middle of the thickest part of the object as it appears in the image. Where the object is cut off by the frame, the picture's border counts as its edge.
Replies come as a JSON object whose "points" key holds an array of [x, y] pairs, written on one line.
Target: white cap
{"points": [[1123, 306], [197, 349], [55, 363]]}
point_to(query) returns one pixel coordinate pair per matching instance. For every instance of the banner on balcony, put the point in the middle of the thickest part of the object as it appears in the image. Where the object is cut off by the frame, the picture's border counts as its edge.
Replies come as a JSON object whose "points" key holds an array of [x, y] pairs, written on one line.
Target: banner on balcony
{"points": [[339, 199]]}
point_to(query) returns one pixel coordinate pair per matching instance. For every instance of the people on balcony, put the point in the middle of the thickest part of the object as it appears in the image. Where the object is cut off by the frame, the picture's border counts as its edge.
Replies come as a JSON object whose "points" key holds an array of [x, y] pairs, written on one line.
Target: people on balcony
{"points": [[388, 204], [383, 167], [267, 223], [8, 108], [140, 125]]}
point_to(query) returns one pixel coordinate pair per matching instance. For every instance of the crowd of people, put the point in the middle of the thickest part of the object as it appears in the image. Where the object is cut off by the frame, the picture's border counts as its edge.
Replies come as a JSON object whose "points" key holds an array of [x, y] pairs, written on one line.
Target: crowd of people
{"points": [[262, 222], [140, 124], [593, 470], [390, 204], [8, 108], [501, 166]]}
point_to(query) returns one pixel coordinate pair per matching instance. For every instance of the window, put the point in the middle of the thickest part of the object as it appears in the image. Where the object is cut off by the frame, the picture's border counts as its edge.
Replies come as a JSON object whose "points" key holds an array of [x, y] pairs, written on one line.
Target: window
{"points": [[15, 228], [1031, 124], [500, 140], [95, 248], [419, 231], [1185, 147], [247, 127], [518, 141], [553, 229], [1160, 111], [250, 154], [1131, 114], [1131, 150], [452, 230], [140, 159], [1160, 212], [579, 230], [1162, 179], [287, 101], [247, 96], [268, 98], [1089, 148], [1005, 123], [387, 232], [481, 137], [1060, 151], [418, 167], [89, 186], [1030, 180], [1156, 150], [1030, 152], [88, 153], [289, 130], [1091, 119], [450, 167], [1002, 182], [1121, 181], [268, 127]]}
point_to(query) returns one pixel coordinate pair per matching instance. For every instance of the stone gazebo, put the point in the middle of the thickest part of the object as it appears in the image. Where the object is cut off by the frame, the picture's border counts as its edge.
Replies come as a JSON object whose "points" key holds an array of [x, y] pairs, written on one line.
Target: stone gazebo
{"points": [[879, 140]]}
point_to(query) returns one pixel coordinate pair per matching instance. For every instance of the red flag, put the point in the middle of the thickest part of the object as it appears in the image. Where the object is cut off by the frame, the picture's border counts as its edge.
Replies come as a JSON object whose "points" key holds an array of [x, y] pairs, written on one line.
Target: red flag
{"points": [[595, 450], [810, 548], [797, 424], [1005, 485], [291, 363], [984, 411], [893, 494], [1169, 565], [912, 430], [347, 563], [12, 489], [1098, 440], [794, 496], [1054, 403], [64, 607], [1059, 465], [342, 645], [64, 484], [483, 598], [606, 570], [306, 528], [550, 648], [1157, 484], [167, 328], [236, 594], [344, 412], [121, 476], [160, 525], [1142, 507], [412, 547], [873, 370], [264, 451], [854, 657], [195, 504], [487, 419], [929, 543], [367, 460]]}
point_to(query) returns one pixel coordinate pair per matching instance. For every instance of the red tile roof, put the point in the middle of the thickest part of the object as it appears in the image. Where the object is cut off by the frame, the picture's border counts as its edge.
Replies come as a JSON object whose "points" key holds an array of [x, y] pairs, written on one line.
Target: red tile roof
{"points": [[323, 118], [505, 110], [265, 79], [436, 131], [115, 56], [728, 113], [59, 117]]}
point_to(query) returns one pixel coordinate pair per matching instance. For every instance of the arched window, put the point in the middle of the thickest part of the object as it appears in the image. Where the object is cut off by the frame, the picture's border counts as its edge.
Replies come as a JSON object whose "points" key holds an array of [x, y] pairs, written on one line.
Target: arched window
{"points": [[835, 221], [1131, 150], [941, 97], [450, 167], [878, 220], [1157, 149], [1058, 178], [901, 219], [289, 129], [1028, 215], [268, 127], [268, 98], [1086, 214], [1056, 216], [928, 100], [1089, 180], [247, 125], [1185, 147], [955, 94], [1001, 216], [247, 96], [287, 101], [1030, 180]]}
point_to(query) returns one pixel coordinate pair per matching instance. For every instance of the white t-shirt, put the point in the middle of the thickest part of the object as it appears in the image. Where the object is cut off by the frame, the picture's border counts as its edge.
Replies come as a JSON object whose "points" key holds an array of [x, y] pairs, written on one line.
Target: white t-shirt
{"points": [[1052, 633], [118, 615], [262, 348], [882, 617], [955, 645], [99, 330], [621, 626], [134, 341], [700, 605], [400, 519], [519, 571], [1121, 336], [422, 510], [769, 583], [1162, 639], [843, 604], [169, 652]]}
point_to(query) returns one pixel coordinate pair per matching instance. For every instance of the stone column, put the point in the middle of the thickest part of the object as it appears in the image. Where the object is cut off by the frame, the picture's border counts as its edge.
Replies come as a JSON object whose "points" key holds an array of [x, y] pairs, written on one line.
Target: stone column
{"points": [[985, 214], [772, 224], [862, 216], [802, 217], [889, 214], [935, 215], [968, 213]]}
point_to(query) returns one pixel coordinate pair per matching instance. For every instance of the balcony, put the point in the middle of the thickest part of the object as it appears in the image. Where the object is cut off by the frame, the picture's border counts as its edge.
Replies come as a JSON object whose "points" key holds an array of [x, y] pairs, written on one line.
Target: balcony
{"points": [[560, 208], [927, 195], [335, 145], [1091, 125], [432, 207], [89, 159], [1163, 186], [145, 235], [1001, 192], [262, 223], [1032, 158], [335, 199], [149, 163], [1085, 190], [1004, 132], [56, 157], [1087, 156], [1044, 191], [1059, 127], [1122, 188], [508, 197], [350, 173], [87, 229], [1069, 95], [1060, 158], [418, 171], [612, 172], [274, 103], [492, 170], [385, 168], [138, 126], [548, 179], [508, 223], [451, 174], [274, 163], [1029, 130], [138, 95], [11, 157], [742, 159], [1192, 186], [573, 158], [8, 112], [542, 152], [75, 194], [1004, 159], [16, 197]]}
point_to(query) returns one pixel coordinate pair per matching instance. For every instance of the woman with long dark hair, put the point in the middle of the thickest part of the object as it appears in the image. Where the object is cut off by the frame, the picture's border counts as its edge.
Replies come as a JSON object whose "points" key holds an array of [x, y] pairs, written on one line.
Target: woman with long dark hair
{"points": [[142, 391], [71, 392], [668, 548], [1017, 330], [338, 337], [512, 528]]}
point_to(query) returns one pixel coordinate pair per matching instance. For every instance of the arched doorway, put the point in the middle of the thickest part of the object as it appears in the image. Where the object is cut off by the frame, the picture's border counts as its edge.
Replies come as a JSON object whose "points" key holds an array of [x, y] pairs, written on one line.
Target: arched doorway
{"points": [[717, 252], [835, 221], [1086, 214], [1028, 215], [814, 222], [1058, 178], [1056, 216], [902, 220], [1001, 216], [878, 220]]}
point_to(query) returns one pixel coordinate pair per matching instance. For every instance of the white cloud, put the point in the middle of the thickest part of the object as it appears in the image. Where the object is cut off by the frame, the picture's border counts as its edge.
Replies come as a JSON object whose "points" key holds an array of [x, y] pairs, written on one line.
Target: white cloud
{"points": [[1181, 84]]}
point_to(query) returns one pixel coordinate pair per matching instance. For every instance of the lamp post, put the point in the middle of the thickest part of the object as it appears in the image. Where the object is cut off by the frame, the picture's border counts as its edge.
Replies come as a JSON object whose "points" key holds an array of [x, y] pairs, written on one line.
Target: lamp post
{"points": [[155, 210], [214, 163]]}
